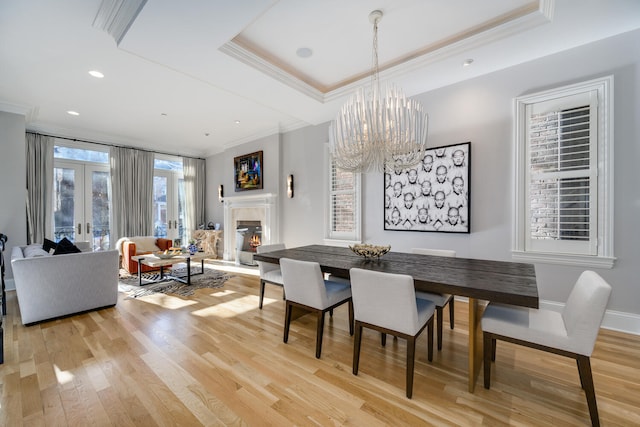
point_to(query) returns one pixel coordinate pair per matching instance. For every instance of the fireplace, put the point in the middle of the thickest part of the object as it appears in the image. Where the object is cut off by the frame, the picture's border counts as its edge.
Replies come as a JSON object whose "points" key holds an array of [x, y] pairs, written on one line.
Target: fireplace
{"points": [[249, 212], [248, 238]]}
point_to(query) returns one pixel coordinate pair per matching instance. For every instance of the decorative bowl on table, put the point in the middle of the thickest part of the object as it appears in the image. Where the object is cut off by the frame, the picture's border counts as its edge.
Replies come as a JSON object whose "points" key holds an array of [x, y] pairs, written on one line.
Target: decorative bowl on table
{"points": [[370, 251], [167, 254]]}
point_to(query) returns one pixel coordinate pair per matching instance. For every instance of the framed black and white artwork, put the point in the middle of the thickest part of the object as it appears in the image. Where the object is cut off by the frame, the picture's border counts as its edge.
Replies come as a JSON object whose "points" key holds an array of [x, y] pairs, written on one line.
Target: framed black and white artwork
{"points": [[432, 196]]}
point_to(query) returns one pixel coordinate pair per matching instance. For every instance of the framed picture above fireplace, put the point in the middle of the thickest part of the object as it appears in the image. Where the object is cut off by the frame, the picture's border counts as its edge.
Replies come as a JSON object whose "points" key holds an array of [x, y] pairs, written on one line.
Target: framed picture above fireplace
{"points": [[248, 171]]}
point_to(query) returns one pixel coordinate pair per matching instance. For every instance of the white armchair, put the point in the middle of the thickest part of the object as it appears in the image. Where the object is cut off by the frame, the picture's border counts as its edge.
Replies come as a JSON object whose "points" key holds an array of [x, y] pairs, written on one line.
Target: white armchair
{"points": [[269, 272], [305, 287], [571, 333], [440, 300], [387, 303]]}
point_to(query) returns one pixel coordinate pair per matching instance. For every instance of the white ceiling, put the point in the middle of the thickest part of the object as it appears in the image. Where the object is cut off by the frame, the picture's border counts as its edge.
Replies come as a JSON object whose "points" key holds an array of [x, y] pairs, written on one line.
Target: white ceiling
{"points": [[186, 71]]}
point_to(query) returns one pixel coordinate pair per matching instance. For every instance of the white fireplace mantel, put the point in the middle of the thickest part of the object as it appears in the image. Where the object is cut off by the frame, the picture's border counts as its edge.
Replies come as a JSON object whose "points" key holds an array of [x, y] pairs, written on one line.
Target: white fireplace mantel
{"points": [[262, 207]]}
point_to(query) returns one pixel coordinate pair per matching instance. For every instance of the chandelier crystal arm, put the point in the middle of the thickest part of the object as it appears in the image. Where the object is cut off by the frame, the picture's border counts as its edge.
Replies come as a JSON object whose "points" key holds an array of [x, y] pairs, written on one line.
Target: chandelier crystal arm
{"points": [[376, 130]]}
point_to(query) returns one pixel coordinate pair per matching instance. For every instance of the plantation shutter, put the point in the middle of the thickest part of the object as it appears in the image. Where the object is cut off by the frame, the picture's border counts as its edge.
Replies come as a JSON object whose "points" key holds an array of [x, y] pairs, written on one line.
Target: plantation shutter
{"points": [[562, 174], [343, 204]]}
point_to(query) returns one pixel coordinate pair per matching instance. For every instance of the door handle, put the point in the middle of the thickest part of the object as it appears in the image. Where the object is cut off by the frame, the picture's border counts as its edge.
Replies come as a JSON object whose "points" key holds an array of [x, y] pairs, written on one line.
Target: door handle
{"points": [[175, 224], [79, 228], [169, 225], [88, 228]]}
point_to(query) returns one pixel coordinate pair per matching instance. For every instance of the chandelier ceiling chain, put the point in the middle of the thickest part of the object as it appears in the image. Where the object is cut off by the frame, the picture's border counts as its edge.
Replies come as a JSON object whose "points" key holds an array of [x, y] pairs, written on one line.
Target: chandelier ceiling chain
{"points": [[378, 130]]}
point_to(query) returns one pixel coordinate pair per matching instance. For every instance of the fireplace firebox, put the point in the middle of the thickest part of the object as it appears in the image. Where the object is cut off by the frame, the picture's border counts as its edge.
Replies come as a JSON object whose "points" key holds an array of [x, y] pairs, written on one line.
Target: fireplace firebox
{"points": [[248, 238]]}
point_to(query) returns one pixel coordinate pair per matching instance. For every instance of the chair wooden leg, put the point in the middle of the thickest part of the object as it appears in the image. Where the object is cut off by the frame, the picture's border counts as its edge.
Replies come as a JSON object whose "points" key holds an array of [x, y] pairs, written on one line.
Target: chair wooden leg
{"points": [[411, 354], [319, 333], [493, 349], [581, 382], [261, 293], [488, 345], [356, 347], [586, 378], [331, 312], [430, 340], [451, 311], [351, 317], [287, 321], [383, 339], [440, 312]]}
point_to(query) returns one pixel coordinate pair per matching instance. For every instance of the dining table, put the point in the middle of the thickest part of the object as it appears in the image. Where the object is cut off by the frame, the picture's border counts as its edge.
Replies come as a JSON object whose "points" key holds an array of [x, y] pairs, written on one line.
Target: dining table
{"points": [[479, 280]]}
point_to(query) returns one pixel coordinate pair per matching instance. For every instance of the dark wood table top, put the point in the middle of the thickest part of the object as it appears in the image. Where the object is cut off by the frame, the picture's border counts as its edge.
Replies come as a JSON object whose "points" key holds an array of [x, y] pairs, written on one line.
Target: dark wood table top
{"points": [[498, 281]]}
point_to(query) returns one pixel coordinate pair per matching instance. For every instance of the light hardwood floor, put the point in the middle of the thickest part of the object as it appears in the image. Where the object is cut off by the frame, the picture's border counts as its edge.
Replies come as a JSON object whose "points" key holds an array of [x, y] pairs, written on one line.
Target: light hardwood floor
{"points": [[216, 359]]}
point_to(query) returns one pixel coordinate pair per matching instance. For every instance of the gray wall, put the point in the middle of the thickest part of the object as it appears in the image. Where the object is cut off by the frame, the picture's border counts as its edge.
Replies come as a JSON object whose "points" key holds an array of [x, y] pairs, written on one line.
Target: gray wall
{"points": [[13, 220], [481, 111], [220, 171]]}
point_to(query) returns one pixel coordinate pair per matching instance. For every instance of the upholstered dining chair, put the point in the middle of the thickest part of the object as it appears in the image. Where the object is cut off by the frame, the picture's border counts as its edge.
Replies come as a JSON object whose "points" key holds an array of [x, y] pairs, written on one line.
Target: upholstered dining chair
{"points": [[440, 300], [305, 287], [269, 272], [387, 303], [571, 333]]}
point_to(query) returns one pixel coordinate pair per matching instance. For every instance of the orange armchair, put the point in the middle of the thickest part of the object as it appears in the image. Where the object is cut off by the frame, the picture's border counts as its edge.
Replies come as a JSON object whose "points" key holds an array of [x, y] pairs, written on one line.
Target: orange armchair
{"points": [[131, 248]]}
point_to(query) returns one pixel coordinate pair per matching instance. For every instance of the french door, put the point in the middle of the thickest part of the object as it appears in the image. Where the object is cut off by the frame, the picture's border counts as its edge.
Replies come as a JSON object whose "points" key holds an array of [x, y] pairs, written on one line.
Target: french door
{"points": [[168, 206], [81, 203]]}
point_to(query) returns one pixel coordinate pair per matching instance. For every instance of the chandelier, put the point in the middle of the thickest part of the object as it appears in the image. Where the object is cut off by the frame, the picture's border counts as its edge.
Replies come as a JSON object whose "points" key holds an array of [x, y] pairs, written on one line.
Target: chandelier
{"points": [[378, 130]]}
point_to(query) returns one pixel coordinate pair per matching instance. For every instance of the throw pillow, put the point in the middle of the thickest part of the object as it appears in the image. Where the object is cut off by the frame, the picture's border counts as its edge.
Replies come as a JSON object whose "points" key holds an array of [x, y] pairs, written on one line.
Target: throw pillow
{"points": [[49, 246], [145, 243], [65, 246], [33, 251]]}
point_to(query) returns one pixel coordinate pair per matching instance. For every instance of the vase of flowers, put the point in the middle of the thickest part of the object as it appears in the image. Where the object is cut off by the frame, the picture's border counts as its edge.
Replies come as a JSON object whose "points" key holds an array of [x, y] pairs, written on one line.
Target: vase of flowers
{"points": [[193, 248]]}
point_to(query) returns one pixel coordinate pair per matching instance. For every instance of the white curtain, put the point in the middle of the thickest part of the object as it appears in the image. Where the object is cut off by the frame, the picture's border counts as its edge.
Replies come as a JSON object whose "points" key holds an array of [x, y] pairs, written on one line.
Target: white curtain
{"points": [[132, 190], [193, 171], [39, 153]]}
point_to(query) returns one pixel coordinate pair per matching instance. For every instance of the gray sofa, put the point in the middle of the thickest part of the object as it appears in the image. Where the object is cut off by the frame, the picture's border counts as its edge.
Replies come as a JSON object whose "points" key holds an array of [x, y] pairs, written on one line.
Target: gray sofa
{"points": [[50, 286]]}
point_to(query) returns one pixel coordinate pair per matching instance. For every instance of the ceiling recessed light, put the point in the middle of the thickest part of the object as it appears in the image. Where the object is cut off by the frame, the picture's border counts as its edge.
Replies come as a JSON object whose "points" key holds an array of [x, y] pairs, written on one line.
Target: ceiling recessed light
{"points": [[467, 62], [96, 74], [73, 113], [304, 52], [237, 122], [163, 114]]}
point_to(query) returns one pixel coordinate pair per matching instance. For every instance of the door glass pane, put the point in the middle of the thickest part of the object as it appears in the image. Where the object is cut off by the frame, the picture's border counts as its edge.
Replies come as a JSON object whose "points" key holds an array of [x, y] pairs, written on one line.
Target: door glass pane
{"points": [[181, 203], [160, 206], [64, 203], [100, 210]]}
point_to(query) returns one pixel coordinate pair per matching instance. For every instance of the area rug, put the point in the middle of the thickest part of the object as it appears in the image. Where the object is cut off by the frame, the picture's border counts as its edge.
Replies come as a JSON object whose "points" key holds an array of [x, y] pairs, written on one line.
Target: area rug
{"points": [[211, 278]]}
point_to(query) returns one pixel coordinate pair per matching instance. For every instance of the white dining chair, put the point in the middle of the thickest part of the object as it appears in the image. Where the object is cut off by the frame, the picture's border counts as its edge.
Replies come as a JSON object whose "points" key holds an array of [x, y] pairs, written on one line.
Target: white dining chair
{"points": [[269, 272], [571, 333], [305, 288], [387, 303], [440, 300]]}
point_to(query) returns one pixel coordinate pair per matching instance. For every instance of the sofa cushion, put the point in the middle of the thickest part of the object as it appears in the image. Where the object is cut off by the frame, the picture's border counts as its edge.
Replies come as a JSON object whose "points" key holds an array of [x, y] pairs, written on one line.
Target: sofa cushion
{"points": [[34, 250], [65, 246], [145, 243], [49, 246]]}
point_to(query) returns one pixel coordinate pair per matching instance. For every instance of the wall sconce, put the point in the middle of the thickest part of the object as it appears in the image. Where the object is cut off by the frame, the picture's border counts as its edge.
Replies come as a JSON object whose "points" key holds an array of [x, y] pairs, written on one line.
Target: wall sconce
{"points": [[290, 186], [220, 192]]}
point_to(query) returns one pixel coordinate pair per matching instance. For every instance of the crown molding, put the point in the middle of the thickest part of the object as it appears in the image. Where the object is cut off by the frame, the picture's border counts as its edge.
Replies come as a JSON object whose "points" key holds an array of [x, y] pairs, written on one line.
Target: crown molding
{"points": [[8, 107], [524, 19], [116, 16], [249, 58]]}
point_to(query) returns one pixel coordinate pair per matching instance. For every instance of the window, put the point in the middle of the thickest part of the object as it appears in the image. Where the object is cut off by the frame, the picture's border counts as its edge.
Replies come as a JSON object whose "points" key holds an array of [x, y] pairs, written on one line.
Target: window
{"points": [[81, 188], [168, 199], [564, 175], [343, 219]]}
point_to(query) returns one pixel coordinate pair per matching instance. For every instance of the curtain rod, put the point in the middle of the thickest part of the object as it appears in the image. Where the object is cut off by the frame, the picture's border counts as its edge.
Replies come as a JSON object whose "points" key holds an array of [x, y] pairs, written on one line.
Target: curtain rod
{"points": [[114, 145]]}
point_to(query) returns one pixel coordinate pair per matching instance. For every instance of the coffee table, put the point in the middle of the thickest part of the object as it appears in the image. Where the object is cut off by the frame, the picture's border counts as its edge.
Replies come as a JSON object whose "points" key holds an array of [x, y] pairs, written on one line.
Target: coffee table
{"points": [[153, 261]]}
